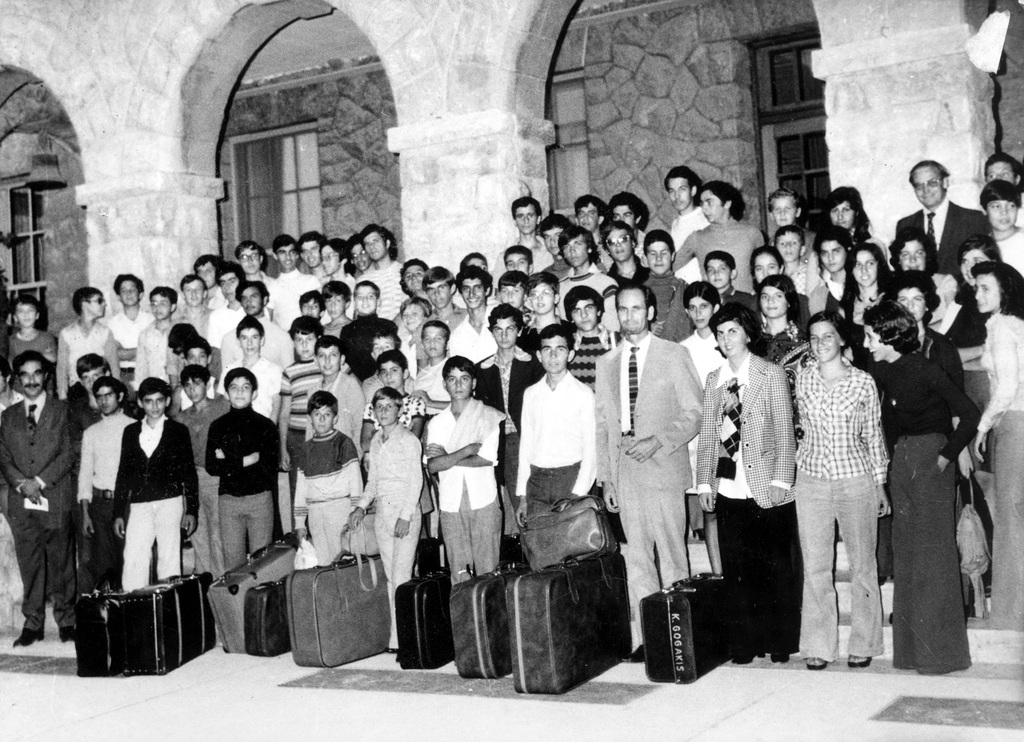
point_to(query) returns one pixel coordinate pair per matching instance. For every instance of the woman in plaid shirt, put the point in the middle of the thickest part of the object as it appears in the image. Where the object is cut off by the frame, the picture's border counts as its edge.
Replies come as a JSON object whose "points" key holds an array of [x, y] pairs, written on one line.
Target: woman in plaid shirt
{"points": [[840, 476]]}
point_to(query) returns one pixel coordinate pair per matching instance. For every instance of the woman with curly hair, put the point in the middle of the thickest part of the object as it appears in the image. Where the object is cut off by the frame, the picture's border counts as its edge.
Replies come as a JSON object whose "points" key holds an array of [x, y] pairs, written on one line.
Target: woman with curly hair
{"points": [[914, 250], [867, 278], [845, 209]]}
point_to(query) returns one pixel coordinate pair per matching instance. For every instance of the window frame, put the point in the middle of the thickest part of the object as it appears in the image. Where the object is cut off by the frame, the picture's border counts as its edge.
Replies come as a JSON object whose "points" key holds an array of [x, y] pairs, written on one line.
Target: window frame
{"points": [[39, 286], [575, 76]]}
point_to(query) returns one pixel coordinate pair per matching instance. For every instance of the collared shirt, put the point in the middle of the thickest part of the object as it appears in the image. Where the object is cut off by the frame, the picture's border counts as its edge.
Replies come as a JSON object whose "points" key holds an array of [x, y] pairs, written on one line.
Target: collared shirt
{"points": [[842, 427], [477, 481], [1003, 359], [73, 344], [38, 403], [467, 342], [268, 376], [277, 345], [559, 428], [389, 281], [705, 354], [151, 357], [603, 284], [396, 472], [101, 454], [939, 222], [149, 437], [288, 288], [682, 227], [430, 379], [223, 321], [126, 332], [198, 424], [641, 358]]}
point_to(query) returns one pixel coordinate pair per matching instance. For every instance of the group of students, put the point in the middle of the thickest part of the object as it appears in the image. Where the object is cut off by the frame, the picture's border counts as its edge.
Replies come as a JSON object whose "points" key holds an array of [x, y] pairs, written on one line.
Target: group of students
{"points": [[791, 383]]}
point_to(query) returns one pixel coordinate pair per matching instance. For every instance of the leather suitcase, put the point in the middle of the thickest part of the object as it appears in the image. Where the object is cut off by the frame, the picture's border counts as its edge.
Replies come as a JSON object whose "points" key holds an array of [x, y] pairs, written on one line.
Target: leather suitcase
{"points": [[167, 625], [428, 556], [99, 634], [574, 528], [266, 620], [480, 624], [339, 613], [685, 629], [227, 594], [424, 624], [568, 623], [511, 550]]}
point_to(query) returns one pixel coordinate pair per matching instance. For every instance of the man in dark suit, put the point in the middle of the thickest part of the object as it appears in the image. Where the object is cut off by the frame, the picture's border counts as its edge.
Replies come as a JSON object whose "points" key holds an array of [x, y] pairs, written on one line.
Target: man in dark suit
{"points": [[522, 369], [157, 489], [940, 218], [37, 461]]}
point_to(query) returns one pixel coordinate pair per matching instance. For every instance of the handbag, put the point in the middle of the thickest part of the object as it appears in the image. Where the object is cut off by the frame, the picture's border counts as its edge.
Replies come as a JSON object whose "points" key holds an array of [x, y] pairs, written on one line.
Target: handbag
{"points": [[363, 540], [574, 528], [973, 546]]}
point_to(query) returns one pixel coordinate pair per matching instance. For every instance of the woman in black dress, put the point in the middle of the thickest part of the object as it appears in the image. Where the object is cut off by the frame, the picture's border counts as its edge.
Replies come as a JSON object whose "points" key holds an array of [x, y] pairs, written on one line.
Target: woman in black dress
{"points": [[918, 399]]}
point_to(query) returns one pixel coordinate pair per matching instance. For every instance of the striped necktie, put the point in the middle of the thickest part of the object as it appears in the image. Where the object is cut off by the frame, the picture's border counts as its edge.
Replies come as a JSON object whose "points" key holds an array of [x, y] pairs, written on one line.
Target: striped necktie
{"points": [[30, 421], [634, 387], [931, 226]]}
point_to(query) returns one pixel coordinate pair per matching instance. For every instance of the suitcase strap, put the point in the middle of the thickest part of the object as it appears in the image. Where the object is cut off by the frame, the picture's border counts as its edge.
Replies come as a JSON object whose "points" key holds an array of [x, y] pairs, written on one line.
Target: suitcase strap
{"points": [[479, 627]]}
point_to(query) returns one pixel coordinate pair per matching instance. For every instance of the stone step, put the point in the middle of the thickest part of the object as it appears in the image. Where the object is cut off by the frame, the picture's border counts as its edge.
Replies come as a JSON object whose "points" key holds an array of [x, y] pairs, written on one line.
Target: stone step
{"points": [[988, 646]]}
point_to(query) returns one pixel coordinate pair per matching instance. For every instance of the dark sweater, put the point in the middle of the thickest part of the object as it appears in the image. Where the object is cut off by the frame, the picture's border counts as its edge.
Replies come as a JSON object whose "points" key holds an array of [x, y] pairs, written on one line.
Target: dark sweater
{"points": [[169, 472], [238, 434]]}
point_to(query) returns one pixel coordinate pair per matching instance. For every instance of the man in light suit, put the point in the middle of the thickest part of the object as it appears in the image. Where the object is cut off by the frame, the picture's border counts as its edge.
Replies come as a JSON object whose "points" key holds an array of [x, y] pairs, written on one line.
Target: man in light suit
{"points": [[950, 224], [642, 437], [37, 460]]}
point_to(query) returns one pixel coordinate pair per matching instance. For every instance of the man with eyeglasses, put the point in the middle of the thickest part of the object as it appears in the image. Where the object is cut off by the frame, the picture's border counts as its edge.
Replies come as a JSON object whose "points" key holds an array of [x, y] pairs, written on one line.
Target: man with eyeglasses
{"points": [[85, 335], [472, 338], [620, 240], [580, 251], [542, 294], [941, 219]]}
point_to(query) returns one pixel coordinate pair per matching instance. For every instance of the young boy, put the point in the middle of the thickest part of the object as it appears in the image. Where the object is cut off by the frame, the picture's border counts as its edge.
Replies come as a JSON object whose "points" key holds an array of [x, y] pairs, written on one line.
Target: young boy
{"points": [[357, 336], [439, 283], [591, 339], [558, 437], [519, 258], [550, 228], [329, 481], [337, 295], [251, 339], [197, 384], [224, 320], [194, 310], [128, 323], [85, 335], [334, 378], [512, 289], [471, 338], [720, 268], [682, 186], [383, 341], [394, 483], [672, 322], [151, 358], [197, 352], [526, 214], [429, 384], [156, 477], [287, 289], [462, 448], [298, 382], [242, 450], [206, 267], [312, 304], [393, 372], [97, 476], [543, 292]]}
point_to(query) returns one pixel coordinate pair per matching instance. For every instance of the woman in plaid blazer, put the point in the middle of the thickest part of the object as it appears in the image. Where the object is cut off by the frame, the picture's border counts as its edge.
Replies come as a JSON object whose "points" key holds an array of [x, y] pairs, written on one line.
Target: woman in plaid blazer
{"points": [[745, 472]]}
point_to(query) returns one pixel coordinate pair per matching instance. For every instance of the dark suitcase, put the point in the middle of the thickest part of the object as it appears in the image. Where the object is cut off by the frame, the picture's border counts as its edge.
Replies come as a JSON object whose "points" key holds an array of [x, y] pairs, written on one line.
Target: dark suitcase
{"points": [[167, 625], [227, 594], [568, 623], [266, 620], [685, 629], [424, 622], [99, 634], [428, 556], [339, 613], [574, 528], [511, 550], [480, 624]]}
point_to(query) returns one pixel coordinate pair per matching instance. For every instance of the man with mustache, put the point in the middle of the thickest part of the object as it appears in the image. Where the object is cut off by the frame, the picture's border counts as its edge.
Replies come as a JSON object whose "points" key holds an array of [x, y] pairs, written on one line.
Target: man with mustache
{"points": [[37, 460]]}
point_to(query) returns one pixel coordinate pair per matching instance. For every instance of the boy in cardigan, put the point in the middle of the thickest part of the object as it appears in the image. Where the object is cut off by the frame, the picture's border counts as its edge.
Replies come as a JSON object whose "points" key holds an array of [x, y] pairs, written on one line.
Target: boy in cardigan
{"points": [[328, 482]]}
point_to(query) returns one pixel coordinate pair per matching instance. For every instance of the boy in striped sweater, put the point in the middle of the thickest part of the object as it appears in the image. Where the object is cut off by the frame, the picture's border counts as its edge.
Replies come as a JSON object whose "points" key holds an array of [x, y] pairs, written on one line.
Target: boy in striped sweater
{"points": [[328, 482]]}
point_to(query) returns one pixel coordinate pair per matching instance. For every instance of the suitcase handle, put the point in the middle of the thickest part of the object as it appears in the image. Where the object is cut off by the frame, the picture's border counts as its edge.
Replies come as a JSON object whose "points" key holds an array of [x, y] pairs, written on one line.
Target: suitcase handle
{"points": [[373, 573]]}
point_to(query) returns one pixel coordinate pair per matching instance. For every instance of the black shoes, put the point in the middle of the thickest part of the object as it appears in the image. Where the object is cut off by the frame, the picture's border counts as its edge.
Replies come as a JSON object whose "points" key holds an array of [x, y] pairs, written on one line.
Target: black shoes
{"points": [[780, 658], [743, 659], [28, 638], [67, 633], [637, 656], [855, 661], [816, 663]]}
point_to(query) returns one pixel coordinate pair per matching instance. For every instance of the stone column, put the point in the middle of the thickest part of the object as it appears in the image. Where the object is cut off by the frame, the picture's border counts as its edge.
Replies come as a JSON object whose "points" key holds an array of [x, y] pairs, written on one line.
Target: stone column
{"points": [[153, 225], [460, 175], [893, 100]]}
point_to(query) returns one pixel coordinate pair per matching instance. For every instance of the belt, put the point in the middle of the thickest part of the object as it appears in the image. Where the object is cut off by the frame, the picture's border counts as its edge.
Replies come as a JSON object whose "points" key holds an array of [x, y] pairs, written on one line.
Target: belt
{"points": [[103, 494], [630, 434]]}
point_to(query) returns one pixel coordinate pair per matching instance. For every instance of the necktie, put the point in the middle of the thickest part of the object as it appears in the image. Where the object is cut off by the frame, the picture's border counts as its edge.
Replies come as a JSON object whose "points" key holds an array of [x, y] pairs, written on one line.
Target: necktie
{"points": [[730, 432], [931, 226], [634, 387], [30, 421]]}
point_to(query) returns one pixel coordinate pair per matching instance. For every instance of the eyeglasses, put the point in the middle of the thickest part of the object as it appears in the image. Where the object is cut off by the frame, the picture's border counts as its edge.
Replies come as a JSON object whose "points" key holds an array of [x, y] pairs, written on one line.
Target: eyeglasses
{"points": [[541, 293], [928, 185], [620, 242]]}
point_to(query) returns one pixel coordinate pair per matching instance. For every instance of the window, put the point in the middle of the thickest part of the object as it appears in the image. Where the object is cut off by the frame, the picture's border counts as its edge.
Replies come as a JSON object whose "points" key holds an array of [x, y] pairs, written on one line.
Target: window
{"points": [[791, 114], [569, 158], [23, 262], [277, 184]]}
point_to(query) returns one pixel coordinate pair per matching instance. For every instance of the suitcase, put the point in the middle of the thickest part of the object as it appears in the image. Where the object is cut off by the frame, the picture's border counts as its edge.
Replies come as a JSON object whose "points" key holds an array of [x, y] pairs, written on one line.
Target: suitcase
{"points": [[428, 556], [227, 594], [568, 623], [266, 620], [424, 625], [574, 528], [339, 613], [480, 624], [167, 625], [685, 629], [99, 634], [511, 550]]}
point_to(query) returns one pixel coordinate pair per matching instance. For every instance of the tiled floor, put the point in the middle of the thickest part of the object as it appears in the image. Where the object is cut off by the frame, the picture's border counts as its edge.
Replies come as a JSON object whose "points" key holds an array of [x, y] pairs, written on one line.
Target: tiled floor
{"points": [[236, 697]]}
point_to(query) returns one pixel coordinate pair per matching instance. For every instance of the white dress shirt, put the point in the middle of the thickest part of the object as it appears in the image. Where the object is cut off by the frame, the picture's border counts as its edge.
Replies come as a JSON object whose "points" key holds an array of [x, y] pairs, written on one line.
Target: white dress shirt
{"points": [[559, 428], [286, 291], [682, 227], [268, 378], [641, 358], [467, 342], [150, 436], [126, 331], [478, 481]]}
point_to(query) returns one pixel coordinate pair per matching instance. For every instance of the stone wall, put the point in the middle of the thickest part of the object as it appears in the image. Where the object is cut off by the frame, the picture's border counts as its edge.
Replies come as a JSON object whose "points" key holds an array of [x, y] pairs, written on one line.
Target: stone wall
{"points": [[669, 87], [1010, 82], [359, 177]]}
